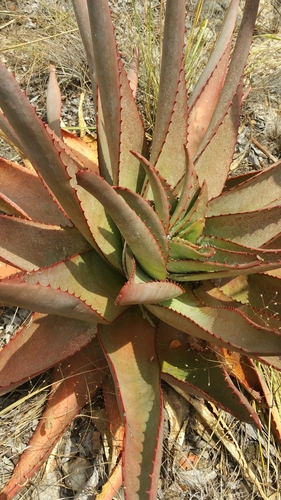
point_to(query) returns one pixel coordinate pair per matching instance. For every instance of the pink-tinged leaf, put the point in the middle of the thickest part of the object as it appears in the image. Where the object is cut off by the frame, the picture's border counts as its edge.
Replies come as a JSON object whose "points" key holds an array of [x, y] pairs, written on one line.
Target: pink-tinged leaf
{"points": [[115, 435], [33, 202], [219, 50], [74, 382], [108, 80], [53, 102], [30, 245], [9, 133], [130, 174], [216, 157], [139, 289], [221, 326], [254, 229], [42, 148], [275, 242], [212, 296], [192, 231], [140, 239], [171, 159], [232, 182], [105, 234], [208, 88], [260, 291], [43, 343], [172, 83], [253, 194], [201, 373], [216, 150], [82, 287], [86, 152], [105, 237], [129, 346], [185, 268], [80, 8], [181, 249], [272, 361], [133, 72], [243, 370], [7, 270], [160, 195], [232, 81], [190, 188], [147, 215], [197, 212]]}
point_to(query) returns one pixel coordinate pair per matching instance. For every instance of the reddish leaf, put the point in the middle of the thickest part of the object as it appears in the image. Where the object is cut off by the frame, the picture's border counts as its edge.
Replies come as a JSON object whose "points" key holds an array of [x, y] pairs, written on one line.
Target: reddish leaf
{"points": [[53, 102], [33, 202], [172, 56], [126, 218], [135, 369], [43, 343], [200, 373], [38, 245], [82, 287], [74, 381], [139, 289]]}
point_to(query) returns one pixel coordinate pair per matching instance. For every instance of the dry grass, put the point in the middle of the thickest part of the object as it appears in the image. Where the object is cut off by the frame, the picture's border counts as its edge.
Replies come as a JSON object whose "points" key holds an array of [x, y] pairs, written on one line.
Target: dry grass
{"points": [[34, 34]]}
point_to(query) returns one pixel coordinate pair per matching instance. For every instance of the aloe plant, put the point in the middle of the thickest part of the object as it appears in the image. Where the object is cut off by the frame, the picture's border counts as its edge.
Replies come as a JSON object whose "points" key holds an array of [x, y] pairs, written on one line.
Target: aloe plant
{"points": [[143, 263]]}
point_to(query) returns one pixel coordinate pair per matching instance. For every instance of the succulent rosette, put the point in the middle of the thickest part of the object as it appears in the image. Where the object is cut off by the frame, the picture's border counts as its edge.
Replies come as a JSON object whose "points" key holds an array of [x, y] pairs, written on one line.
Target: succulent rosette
{"points": [[143, 262]]}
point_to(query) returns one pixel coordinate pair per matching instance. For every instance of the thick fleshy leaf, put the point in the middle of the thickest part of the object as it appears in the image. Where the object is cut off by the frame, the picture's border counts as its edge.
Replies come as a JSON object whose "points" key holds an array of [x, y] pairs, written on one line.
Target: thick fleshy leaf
{"points": [[253, 194], [139, 289], [211, 295], [74, 382], [216, 157], [171, 75], [108, 80], [201, 372], [82, 287], [242, 369], [48, 155], [140, 239], [86, 152], [221, 326], [133, 72], [30, 245], [216, 150], [196, 213], [147, 215], [9, 135], [33, 202], [136, 372], [189, 188], [262, 292], [160, 195], [115, 435], [171, 159], [6, 270], [130, 174], [254, 229], [181, 249], [104, 231], [53, 102], [80, 8], [43, 343], [234, 263], [206, 93]]}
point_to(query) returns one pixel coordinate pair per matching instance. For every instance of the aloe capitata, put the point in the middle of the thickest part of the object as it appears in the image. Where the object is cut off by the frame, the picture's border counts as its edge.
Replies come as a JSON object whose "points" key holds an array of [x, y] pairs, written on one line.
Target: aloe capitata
{"points": [[153, 253]]}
